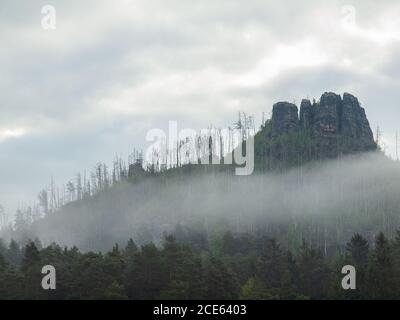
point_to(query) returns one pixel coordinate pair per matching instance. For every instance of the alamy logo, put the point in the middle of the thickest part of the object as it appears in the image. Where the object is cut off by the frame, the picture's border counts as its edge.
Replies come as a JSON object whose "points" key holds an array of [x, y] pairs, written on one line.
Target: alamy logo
{"points": [[49, 17], [349, 280], [349, 16], [49, 280], [209, 146]]}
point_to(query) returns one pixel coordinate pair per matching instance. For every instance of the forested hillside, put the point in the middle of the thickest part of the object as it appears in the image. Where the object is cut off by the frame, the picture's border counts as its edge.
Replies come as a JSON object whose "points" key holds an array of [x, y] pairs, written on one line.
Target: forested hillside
{"points": [[318, 178], [323, 203]]}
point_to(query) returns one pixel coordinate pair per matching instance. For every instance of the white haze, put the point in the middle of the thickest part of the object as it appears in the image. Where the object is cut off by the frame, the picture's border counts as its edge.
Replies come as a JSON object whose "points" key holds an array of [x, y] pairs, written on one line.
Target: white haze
{"points": [[321, 202]]}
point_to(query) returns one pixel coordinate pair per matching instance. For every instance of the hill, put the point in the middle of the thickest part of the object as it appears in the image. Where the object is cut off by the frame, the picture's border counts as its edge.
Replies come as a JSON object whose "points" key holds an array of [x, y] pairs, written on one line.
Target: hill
{"points": [[318, 177]]}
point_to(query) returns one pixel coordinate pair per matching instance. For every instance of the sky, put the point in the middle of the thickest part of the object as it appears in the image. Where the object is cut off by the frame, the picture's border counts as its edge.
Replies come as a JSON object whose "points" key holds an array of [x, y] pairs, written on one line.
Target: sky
{"points": [[111, 71]]}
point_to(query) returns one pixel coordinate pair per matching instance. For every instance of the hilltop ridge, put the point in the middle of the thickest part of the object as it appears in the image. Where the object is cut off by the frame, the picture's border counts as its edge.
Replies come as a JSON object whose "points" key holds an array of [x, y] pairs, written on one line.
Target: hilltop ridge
{"points": [[329, 128]]}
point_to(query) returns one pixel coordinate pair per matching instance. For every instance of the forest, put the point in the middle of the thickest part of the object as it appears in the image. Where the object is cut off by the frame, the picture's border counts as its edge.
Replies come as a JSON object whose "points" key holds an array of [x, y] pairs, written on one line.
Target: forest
{"points": [[228, 266]]}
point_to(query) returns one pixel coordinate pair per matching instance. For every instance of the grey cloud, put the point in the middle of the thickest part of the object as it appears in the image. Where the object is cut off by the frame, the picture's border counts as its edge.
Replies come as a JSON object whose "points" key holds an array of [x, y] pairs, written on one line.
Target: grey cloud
{"points": [[110, 72]]}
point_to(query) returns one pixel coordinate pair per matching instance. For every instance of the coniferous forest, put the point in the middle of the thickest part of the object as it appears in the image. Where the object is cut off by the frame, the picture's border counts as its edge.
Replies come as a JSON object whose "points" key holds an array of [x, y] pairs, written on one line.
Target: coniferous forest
{"points": [[228, 266]]}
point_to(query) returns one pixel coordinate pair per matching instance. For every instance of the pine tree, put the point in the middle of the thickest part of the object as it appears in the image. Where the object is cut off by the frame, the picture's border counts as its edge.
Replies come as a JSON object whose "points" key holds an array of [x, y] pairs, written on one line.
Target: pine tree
{"points": [[31, 268], [396, 257], [3, 264], [272, 264], [130, 251], [220, 281], [314, 274], [381, 271], [31, 256], [357, 255], [14, 254], [358, 249], [3, 248], [147, 277], [172, 257], [183, 271]]}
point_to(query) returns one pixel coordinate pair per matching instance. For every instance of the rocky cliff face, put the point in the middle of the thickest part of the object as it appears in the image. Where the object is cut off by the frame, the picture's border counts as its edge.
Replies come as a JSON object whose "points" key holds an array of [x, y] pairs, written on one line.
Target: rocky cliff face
{"points": [[306, 114], [333, 126], [284, 118]]}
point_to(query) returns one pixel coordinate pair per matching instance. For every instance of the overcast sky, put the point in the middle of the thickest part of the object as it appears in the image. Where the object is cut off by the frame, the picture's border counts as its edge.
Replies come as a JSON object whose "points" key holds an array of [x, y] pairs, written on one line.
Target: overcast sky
{"points": [[112, 70]]}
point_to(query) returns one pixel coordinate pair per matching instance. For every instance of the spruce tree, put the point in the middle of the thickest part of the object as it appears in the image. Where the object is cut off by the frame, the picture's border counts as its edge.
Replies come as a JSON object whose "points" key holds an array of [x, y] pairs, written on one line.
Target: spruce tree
{"points": [[381, 271], [357, 255]]}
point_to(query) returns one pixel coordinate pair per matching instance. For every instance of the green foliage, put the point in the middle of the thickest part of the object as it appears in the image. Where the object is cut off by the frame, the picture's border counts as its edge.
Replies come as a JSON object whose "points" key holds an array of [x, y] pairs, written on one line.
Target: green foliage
{"points": [[283, 151], [115, 292], [381, 272], [254, 289], [245, 266], [358, 255]]}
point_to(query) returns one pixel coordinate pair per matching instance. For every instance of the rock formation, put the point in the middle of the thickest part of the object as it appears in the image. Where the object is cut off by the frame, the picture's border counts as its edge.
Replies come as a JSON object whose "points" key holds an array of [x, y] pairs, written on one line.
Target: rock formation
{"points": [[306, 114], [285, 118], [331, 127]]}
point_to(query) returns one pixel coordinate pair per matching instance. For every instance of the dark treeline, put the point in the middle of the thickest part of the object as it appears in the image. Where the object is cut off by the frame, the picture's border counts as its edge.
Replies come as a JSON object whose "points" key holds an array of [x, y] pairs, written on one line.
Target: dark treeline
{"points": [[231, 266]]}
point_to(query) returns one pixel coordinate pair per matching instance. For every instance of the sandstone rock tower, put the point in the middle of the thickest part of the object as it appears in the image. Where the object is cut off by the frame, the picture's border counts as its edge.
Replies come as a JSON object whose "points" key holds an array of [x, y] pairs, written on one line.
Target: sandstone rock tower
{"points": [[331, 127]]}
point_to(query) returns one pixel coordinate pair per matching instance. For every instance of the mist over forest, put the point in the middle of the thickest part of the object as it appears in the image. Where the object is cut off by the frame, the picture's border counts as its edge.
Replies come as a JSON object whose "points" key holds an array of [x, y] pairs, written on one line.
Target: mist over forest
{"points": [[324, 203], [217, 150], [319, 176]]}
